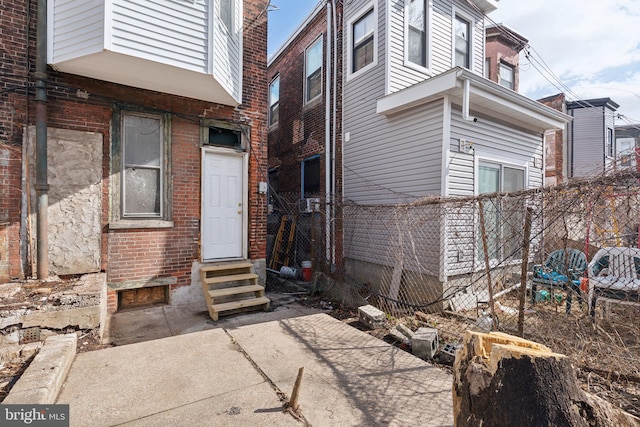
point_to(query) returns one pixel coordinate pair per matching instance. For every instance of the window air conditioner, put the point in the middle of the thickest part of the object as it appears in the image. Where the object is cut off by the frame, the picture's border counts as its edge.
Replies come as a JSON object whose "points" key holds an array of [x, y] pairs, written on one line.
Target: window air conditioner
{"points": [[311, 204]]}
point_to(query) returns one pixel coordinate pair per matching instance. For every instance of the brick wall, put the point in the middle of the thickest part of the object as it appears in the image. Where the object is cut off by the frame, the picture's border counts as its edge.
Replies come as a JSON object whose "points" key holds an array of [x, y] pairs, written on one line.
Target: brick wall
{"points": [[498, 49], [554, 144], [300, 132], [14, 66], [84, 104]]}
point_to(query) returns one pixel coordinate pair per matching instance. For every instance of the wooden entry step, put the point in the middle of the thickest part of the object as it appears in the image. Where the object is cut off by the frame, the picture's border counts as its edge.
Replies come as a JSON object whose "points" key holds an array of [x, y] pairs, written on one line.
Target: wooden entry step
{"points": [[232, 287]]}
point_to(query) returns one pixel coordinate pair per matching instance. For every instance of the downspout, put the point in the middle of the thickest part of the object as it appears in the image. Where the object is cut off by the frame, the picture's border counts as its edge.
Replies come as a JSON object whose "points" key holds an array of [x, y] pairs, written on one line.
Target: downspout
{"points": [[333, 133], [327, 138], [466, 91], [41, 186]]}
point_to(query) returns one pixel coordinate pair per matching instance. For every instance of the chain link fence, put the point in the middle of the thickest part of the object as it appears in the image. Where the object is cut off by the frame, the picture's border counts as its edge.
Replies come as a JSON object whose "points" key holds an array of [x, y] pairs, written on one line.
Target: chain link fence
{"points": [[558, 265]]}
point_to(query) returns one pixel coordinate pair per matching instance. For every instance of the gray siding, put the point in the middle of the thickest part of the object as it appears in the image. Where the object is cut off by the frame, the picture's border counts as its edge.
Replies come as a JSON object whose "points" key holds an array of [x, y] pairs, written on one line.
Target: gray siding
{"points": [[440, 43], [77, 27], [491, 141], [588, 132], [388, 235], [441, 36], [400, 76], [609, 118], [394, 159]]}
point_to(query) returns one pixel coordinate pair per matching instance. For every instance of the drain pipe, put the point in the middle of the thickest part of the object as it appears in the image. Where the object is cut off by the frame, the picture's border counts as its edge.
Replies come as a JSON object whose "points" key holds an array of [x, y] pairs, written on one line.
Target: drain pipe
{"points": [[327, 138], [41, 186], [466, 91], [333, 134]]}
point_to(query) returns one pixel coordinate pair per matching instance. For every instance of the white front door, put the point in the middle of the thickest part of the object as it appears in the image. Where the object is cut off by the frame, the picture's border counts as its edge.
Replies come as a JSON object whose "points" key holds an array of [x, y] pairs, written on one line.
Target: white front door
{"points": [[223, 205]]}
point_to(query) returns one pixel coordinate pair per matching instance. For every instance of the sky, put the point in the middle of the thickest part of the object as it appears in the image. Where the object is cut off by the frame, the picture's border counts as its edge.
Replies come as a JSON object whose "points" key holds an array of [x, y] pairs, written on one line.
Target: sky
{"points": [[590, 47]]}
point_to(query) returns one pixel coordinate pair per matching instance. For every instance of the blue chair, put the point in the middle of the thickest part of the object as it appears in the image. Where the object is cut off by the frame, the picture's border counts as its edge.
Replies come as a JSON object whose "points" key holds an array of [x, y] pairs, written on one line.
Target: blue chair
{"points": [[556, 272]]}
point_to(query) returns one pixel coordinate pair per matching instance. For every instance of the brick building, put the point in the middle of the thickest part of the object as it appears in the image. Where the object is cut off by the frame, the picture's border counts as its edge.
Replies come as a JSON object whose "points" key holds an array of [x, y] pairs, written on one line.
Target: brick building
{"points": [[305, 105], [156, 151], [502, 55]]}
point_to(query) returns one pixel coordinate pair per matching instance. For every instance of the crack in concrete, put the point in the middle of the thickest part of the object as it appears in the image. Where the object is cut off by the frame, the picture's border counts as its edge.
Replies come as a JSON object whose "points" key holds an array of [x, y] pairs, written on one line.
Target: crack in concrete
{"points": [[282, 396]]}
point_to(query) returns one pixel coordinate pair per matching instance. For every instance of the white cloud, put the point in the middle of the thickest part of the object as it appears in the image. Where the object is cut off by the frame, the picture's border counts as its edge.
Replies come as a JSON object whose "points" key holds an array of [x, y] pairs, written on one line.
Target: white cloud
{"points": [[592, 46]]}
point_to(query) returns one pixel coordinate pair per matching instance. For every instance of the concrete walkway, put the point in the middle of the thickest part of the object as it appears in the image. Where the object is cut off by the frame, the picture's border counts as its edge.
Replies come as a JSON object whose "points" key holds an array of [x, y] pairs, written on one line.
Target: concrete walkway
{"points": [[234, 376]]}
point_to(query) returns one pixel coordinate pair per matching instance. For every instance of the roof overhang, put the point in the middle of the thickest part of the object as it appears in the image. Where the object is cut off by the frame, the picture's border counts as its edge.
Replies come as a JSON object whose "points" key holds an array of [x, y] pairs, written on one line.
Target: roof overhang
{"points": [[487, 6], [484, 96]]}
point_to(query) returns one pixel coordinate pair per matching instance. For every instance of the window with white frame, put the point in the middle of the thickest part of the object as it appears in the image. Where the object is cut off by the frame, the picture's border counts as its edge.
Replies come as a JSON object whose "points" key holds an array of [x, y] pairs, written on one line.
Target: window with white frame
{"points": [[626, 151], [609, 148], [503, 217], [416, 39], [226, 12], [362, 47], [507, 76], [462, 42], [313, 71], [143, 150], [274, 101]]}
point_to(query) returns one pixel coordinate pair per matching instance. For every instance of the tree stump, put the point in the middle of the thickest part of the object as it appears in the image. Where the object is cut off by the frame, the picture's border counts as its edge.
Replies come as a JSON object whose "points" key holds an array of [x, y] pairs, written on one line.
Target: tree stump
{"points": [[503, 380]]}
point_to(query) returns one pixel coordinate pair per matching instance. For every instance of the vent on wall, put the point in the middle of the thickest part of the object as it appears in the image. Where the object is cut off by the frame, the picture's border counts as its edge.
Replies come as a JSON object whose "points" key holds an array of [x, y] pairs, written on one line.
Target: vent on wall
{"points": [[465, 146]]}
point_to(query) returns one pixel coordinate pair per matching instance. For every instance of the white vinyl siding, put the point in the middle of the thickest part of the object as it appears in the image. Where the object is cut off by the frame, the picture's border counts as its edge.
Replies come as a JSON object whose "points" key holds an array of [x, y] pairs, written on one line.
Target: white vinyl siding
{"points": [[375, 238], [67, 39], [226, 54], [173, 33], [181, 47], [441, 36], [360, 95]]}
